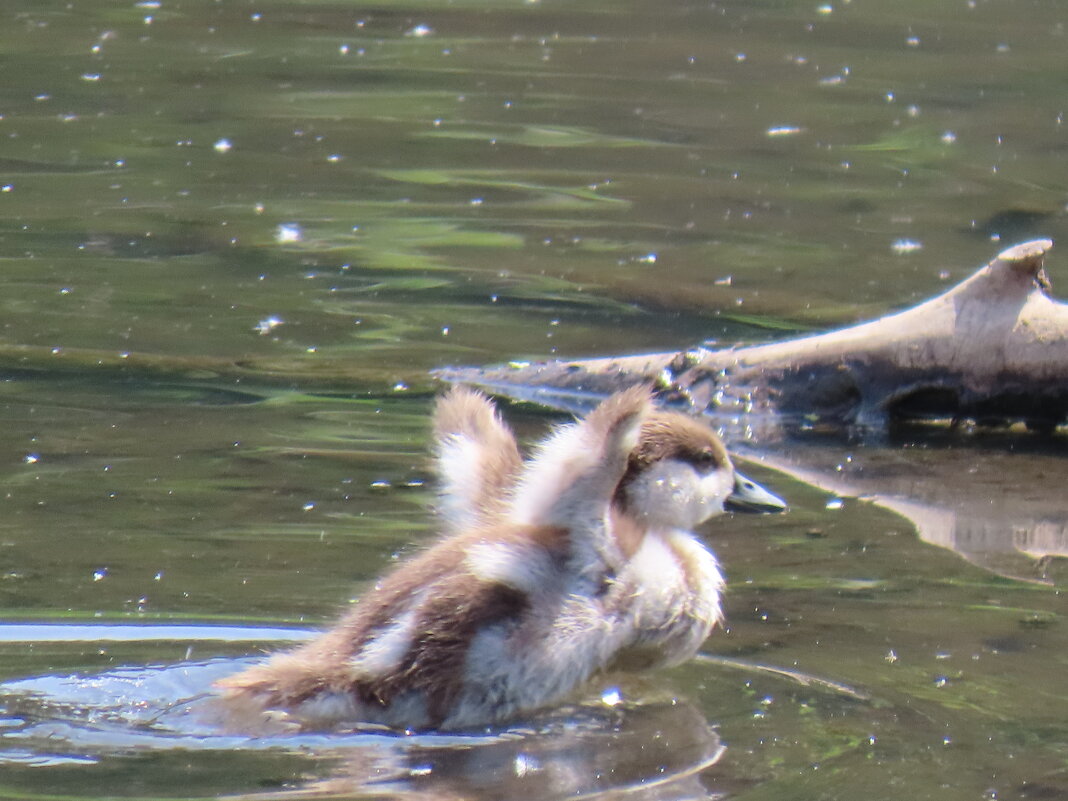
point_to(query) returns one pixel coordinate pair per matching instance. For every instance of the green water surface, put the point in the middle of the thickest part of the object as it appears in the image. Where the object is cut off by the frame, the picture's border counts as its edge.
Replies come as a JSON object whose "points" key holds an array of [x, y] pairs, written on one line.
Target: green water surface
{"points": [[236, 236]]}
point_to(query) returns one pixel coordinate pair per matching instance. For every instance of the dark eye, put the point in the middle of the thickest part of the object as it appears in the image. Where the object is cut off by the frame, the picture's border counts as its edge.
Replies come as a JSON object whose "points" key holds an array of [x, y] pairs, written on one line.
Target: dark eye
{"points": [[705, 460]]}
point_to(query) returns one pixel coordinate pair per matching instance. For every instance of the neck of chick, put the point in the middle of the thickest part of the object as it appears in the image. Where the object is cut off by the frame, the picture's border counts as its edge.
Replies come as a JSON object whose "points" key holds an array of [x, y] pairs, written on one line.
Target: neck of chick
{"points": [[670, 584]]}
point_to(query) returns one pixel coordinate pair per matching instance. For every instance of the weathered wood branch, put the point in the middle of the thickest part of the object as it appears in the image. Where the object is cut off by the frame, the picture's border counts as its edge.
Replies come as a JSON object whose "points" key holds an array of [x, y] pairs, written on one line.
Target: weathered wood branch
{"points": [[994, 349]]}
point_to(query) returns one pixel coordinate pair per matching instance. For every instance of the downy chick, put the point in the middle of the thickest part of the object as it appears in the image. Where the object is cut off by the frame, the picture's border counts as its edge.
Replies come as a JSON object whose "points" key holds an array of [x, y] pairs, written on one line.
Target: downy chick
{"points": [[578, 561]]}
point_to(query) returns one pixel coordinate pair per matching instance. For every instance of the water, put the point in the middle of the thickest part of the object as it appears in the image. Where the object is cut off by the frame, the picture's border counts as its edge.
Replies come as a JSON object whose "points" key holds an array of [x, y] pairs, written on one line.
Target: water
{"points": [[236, 237]]}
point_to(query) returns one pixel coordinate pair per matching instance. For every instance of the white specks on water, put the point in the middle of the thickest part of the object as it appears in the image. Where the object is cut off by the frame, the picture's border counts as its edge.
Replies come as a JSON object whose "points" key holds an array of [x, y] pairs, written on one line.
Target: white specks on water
{"points": [[31, 458], [835, 80], [288, 232], [420, 31], [612, 697], [834, 504], [525, 764], [223, 146], [268, 324], [948, 138], [784, 130], [307, 507], [100, 574], [905, 246]]}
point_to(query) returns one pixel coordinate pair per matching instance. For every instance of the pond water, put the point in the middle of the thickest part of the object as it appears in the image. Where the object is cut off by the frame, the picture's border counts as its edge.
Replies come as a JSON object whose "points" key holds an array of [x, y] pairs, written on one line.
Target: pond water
{"points": [[236, 237]]}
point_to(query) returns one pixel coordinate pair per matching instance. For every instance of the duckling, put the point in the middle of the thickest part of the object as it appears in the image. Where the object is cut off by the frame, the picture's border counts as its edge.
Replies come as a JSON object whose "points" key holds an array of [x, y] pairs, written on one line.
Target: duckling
{"points": [[578, 561]]}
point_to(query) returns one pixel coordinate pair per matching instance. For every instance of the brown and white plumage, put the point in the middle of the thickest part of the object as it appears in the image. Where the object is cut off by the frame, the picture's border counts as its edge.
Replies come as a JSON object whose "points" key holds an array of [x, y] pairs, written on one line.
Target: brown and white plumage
{"points": [[477, 459], [579, 560]]}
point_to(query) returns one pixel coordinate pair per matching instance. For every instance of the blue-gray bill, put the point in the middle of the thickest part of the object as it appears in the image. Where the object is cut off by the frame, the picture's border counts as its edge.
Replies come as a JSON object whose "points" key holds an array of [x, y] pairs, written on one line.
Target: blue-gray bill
{"points": [[748, 496]]}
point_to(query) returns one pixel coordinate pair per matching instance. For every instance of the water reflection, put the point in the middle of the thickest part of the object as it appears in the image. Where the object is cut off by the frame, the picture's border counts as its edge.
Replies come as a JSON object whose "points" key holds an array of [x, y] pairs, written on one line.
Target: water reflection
{"points": [[653, 751], [995, 499]]}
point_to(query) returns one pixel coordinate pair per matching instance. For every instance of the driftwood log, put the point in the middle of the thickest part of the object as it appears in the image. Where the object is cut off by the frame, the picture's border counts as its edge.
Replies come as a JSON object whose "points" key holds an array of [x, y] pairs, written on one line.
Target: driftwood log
{"points": [[993, 349]]}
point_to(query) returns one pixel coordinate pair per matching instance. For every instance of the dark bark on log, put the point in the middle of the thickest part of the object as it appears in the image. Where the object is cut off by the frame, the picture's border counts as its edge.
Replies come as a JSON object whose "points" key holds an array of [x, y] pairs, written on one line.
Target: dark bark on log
{"points": [[993, 349]]}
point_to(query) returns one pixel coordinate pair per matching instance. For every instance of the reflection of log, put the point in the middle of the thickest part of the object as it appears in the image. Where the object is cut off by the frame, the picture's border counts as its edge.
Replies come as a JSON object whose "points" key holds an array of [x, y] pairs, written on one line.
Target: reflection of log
{"points": [[1000, 509], [994, 348]]}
